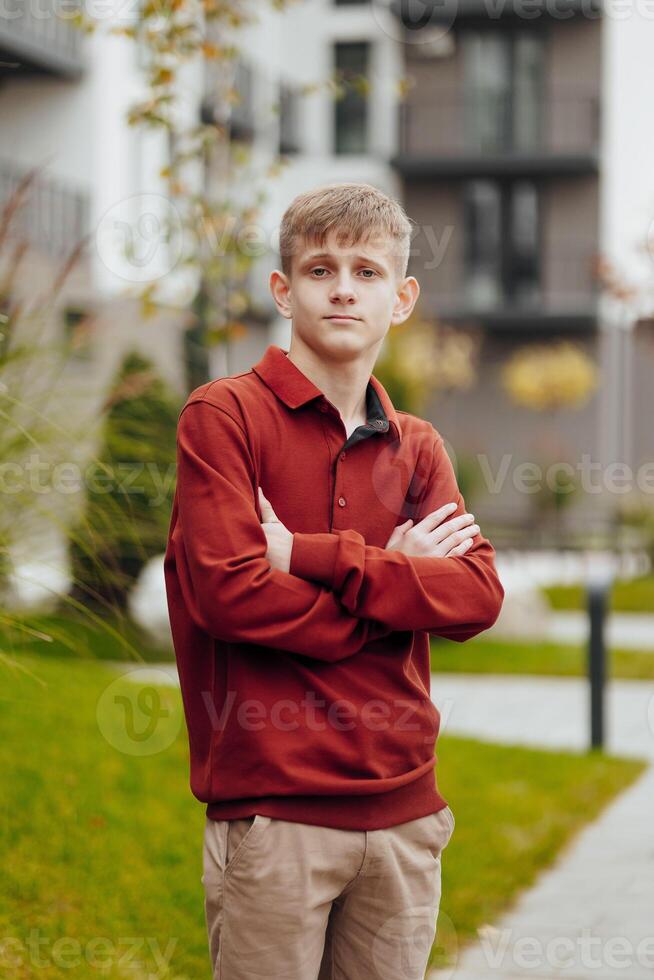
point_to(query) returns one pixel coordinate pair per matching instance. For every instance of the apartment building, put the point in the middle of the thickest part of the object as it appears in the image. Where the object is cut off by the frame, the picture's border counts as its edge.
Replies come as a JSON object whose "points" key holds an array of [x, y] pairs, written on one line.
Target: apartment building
{"points": [[499, 157], [64, 98], [522, 151]]}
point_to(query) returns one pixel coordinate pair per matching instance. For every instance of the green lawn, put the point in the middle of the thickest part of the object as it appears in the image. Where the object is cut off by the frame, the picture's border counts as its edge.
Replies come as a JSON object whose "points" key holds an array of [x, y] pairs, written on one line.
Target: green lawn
{"points": [[630, 595], [94, 636], [101, 843], [486, 656]]}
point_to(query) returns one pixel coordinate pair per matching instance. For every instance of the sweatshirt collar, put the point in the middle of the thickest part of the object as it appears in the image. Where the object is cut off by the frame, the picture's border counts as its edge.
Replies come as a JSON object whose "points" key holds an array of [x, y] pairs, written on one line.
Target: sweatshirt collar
{"points": [[293, 387]]}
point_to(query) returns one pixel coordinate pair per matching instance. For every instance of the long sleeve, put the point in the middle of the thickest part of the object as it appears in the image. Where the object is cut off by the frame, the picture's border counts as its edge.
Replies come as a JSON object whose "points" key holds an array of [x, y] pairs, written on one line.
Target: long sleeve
{"points": [[228, 585], [455, 597]]}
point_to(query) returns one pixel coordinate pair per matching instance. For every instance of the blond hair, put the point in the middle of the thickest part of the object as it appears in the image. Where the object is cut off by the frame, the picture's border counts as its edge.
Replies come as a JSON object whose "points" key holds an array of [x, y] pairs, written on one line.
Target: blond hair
{"points": [[355, 211]]}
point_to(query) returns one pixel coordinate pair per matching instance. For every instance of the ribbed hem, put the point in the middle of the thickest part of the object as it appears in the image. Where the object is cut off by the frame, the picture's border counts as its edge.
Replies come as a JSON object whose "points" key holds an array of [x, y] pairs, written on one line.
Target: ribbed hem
{"points": [[374, 811]]}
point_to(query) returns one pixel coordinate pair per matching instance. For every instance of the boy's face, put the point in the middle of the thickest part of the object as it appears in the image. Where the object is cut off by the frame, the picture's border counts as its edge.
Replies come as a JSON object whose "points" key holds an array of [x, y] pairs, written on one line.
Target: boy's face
{"points": [[343, 299]]}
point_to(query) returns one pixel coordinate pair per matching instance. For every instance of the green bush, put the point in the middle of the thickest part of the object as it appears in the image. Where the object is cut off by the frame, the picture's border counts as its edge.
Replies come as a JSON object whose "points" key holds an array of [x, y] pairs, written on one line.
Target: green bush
{"points": [[129, 489]]}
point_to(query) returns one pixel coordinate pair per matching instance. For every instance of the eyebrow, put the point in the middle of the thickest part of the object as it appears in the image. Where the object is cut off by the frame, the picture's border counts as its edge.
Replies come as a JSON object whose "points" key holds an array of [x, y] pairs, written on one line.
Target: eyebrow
{"points": [[328, 255]]}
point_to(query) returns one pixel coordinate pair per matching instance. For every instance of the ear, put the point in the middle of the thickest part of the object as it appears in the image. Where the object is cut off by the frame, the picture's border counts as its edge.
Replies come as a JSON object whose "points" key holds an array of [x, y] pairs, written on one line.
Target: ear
{"points": [[280, 288], [406, 296]]}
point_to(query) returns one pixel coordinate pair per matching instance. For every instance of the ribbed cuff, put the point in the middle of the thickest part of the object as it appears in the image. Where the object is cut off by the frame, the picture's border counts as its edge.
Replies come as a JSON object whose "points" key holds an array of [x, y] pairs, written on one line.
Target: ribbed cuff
{"points": [[313, 556]]}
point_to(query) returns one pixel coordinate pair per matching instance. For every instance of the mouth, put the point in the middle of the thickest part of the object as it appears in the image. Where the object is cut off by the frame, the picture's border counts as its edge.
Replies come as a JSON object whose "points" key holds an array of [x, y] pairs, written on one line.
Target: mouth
{"points": [[342, 318]]}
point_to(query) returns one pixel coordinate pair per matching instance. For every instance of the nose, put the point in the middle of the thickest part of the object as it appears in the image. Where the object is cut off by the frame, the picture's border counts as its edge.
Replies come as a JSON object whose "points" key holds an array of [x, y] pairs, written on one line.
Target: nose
{"points": [[342, 289]]}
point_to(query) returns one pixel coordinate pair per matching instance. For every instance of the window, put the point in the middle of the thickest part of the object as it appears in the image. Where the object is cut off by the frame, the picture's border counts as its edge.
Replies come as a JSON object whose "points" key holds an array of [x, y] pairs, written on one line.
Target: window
{"points": [[351, 111], [501, 243], [242, 112], [289, 141], [503, 85], [78, 324]]}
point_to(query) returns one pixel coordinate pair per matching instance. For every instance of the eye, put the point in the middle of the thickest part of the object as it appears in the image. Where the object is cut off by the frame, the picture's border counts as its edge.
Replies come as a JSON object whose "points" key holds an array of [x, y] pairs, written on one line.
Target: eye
{"points": [[319, 268]]}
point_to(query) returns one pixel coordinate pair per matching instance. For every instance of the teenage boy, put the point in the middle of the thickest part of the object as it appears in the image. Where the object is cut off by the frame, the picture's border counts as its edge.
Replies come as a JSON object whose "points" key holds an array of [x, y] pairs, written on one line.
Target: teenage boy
{"points": [[317, 539]]}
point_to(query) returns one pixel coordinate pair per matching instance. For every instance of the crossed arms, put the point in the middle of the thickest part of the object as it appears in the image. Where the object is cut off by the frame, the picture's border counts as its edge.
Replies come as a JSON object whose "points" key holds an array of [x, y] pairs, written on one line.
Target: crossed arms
{"points": [[341, 593]]}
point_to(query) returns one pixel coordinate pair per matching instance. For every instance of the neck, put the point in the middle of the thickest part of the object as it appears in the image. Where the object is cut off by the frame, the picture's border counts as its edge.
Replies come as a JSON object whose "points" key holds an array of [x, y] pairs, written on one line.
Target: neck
{"points": [[343, 383]]}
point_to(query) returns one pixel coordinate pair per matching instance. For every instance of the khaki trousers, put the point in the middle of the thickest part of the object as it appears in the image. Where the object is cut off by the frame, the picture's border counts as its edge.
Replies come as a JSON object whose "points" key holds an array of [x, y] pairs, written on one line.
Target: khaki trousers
{"points": [[294, 901]]}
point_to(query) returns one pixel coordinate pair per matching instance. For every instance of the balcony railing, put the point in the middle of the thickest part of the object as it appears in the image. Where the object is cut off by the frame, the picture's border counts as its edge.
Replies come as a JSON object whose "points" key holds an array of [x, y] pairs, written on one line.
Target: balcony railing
{"points": [[495, 125], [53, 218], [40, 37], [566, 284], [417, 15]]}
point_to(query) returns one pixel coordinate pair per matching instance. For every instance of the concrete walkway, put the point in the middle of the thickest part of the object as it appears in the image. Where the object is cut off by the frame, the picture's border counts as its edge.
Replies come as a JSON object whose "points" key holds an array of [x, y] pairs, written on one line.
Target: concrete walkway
{"points": [[592, 913], [548, 712], [626, 631]]}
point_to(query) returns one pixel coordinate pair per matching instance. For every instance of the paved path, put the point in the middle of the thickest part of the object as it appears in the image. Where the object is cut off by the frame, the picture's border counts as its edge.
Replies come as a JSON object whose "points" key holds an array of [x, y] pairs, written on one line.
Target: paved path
{"points": [[552, 712], [628, 631], [590, 915]]}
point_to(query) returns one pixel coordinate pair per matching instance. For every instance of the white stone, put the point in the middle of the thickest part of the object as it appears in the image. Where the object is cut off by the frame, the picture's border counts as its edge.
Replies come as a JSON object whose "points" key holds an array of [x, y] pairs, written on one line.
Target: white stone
{"points": [[147, 602]]}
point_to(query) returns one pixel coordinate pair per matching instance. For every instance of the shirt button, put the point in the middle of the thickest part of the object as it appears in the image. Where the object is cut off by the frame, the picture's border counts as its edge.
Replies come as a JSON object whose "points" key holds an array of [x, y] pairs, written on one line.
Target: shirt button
{"points": [[341, 501], [343, 455]]}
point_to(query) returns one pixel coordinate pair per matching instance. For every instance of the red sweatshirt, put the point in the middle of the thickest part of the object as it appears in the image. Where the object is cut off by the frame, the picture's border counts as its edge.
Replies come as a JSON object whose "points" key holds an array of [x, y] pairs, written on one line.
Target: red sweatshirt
{"points": [[306, 694]]}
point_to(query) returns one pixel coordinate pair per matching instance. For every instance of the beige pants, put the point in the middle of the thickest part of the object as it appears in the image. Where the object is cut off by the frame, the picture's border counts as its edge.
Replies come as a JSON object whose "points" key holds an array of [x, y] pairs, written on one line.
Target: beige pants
{"points": [[293, 901]]}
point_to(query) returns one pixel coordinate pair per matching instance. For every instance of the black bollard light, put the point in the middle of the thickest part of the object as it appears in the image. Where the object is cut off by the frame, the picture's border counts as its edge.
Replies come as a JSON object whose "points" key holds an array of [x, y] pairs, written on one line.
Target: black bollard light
{"points": [[598, 586]]}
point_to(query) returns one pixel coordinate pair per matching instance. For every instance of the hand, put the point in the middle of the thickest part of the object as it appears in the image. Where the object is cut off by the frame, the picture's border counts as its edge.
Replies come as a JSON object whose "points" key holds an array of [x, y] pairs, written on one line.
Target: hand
{"points": [[433, 539], [279, 538]]}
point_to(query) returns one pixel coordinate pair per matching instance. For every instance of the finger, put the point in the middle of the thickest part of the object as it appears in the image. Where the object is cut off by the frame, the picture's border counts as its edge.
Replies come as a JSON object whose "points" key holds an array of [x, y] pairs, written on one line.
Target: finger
{"points": [[463, 537], [461, 522], [436, 517], [267, 512], [398, 533], [401, 529], [460, 548]]}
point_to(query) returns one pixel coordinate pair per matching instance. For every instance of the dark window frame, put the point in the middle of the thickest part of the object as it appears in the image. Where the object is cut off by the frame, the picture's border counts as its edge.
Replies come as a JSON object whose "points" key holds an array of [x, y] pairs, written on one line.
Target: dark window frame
{"points": [[507, 107], [509, 258], [352, 109]]}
